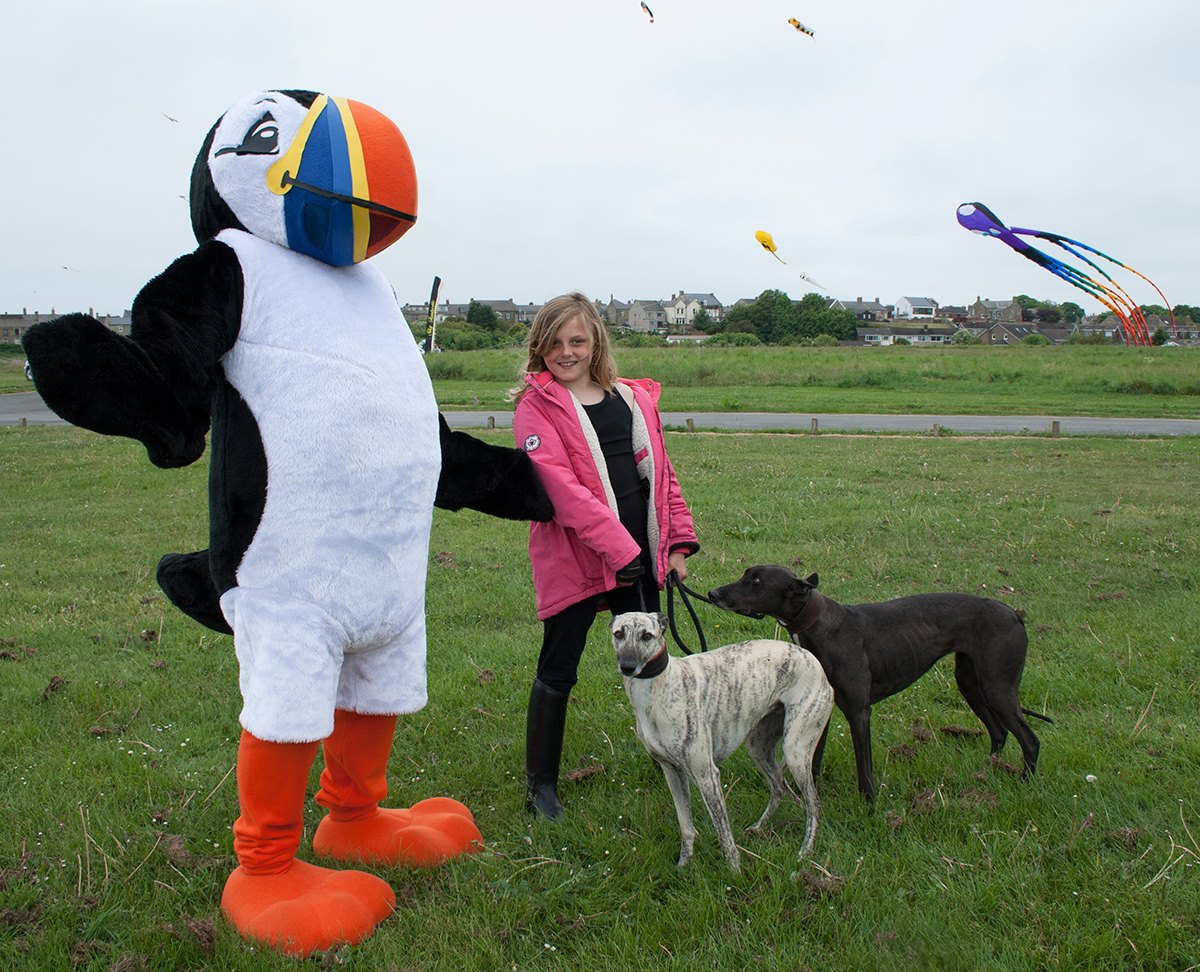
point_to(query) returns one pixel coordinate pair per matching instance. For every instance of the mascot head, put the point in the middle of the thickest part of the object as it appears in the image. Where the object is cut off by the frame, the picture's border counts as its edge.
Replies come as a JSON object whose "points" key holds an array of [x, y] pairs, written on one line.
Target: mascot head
{"points": [[323, 176]]}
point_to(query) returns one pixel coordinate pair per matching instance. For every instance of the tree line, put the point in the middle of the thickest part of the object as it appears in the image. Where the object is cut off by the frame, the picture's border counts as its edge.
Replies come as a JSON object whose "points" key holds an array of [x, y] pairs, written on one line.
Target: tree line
{"points": [[771, 318]]}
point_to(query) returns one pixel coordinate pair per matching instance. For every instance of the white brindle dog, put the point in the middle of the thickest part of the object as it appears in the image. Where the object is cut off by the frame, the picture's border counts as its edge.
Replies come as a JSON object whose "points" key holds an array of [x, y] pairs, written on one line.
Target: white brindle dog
{"points": [[693, 712]]}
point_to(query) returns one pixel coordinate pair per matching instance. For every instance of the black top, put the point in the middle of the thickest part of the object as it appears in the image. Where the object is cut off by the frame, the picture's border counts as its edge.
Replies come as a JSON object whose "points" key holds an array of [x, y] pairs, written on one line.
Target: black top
{"points": [[613, 423]]}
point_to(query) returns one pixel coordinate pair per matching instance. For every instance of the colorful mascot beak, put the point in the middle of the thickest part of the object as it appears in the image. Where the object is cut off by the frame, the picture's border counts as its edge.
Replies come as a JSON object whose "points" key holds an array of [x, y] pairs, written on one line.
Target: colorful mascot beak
{"points": [[348, 183]]}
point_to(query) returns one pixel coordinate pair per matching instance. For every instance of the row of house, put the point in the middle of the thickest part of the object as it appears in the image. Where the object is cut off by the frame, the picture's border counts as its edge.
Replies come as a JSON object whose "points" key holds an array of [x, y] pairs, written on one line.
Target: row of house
{"points": [[12, 326], [677, 313], [1010, 332], [917, 320]]}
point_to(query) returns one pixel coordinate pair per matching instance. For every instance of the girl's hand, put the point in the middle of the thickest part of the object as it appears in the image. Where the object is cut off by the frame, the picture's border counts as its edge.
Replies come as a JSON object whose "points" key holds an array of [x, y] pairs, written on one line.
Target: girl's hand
{"points": [[678, 562]]}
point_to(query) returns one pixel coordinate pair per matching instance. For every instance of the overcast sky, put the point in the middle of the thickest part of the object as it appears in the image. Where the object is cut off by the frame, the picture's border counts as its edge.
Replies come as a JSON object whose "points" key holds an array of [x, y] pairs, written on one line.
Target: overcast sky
{"points": [[576, 145]]}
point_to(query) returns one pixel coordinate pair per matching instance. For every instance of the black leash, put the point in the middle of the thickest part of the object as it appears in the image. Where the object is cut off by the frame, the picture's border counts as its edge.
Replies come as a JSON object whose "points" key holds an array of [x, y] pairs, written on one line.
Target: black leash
{"points": [[673, 584]]}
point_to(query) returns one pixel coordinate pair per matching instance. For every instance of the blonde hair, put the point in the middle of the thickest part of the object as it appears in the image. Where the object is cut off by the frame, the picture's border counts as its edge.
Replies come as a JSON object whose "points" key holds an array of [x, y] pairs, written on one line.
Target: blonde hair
{"points": [[602, 368]]}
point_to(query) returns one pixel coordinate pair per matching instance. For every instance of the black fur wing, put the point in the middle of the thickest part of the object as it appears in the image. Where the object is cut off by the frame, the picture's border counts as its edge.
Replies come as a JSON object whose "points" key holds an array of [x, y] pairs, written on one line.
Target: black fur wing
{"points": [[491, 479], [156, 385]]}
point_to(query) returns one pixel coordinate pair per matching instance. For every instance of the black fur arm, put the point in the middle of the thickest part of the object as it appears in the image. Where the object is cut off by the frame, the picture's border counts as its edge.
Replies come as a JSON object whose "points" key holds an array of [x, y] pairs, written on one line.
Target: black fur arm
{"points": [[492, 479], [155, 385]]}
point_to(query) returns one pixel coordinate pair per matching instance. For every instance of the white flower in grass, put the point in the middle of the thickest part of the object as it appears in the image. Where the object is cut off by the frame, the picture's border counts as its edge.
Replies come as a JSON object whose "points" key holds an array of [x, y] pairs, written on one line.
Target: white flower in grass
{"points": [[1090, 778]]}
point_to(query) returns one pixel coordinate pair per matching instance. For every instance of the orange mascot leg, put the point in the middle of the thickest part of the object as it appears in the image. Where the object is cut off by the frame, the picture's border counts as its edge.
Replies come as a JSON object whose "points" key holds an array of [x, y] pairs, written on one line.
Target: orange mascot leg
{"points": [[357, 828], [291, 906]]}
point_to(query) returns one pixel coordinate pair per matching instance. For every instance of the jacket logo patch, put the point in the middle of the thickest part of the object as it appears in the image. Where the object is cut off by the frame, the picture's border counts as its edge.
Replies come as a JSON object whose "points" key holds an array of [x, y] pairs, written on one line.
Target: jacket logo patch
{"points": [[532, 442]]}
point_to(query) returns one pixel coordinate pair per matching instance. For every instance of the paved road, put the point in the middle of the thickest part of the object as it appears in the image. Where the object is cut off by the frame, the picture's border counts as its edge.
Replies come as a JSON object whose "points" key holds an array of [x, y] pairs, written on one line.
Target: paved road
{"points": [[28, 408]]}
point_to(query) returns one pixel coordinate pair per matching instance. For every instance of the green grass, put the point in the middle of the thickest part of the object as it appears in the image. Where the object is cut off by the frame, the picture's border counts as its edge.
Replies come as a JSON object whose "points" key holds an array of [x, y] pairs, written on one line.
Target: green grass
{"points": [[121, 724], [1063, 380]]}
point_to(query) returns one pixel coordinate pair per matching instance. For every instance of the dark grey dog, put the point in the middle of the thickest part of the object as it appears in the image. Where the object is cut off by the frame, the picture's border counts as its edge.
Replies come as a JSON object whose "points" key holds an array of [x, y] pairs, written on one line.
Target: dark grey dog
{"points": [[871, 651], [693, 712]]}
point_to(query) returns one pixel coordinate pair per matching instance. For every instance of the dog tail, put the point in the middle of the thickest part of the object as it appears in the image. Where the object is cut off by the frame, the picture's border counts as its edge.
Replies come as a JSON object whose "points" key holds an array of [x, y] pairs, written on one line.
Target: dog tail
{"points": [[1037, 715]]}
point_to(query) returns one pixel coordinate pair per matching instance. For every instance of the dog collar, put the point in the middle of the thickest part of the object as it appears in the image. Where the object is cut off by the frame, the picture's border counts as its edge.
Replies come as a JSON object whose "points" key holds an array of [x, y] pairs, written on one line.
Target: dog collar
{"points": [[656, 665], [808, 615]]}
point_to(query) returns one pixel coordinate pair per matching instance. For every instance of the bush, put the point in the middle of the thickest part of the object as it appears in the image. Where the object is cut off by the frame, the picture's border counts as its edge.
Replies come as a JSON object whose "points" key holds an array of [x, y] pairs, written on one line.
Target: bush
{"points": [[732, 339], [1035, 339], [635, 339]]}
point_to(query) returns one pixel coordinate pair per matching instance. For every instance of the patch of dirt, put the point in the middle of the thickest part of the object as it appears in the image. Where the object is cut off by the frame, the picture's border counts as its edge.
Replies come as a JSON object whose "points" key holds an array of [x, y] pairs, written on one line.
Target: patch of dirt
{"points": [[583, 772], [819, 885], [894, 820], [903, 751], [926, 801], [959, 731], [203, 931], [20, 917], [978, 798], [56, 684], [1002, 765], [176, 850], [1126, 837], [920, 733]]}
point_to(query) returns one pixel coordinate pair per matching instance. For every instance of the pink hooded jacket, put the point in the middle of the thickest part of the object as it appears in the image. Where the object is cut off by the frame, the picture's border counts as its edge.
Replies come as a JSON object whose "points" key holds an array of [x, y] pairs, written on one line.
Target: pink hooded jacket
{"points": [[579, 552]]}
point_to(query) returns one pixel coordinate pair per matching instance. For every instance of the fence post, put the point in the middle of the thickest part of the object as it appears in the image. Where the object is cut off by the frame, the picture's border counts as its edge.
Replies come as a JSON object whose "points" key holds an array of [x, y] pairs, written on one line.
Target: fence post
{"points": [[813, 427], [691, 425], [491, 421], [1054, 429]]}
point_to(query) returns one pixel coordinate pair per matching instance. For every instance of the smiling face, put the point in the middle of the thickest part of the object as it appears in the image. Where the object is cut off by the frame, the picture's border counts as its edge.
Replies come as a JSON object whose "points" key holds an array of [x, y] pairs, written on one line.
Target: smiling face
{"points": [[569, 357]]}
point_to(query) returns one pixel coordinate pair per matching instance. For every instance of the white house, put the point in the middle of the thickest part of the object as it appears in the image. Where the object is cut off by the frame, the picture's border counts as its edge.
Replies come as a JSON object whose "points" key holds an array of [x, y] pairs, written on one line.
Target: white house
{"points": [[916, 308], [683, 308]]}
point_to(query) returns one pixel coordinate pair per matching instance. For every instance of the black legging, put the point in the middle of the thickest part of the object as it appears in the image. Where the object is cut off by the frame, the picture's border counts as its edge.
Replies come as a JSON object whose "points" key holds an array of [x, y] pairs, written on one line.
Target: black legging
{"points": [[564, 635]]}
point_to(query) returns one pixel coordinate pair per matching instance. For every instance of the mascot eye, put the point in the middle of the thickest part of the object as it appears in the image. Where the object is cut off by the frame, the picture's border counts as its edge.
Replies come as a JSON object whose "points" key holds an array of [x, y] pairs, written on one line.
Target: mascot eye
{"points": [[262, 138]]}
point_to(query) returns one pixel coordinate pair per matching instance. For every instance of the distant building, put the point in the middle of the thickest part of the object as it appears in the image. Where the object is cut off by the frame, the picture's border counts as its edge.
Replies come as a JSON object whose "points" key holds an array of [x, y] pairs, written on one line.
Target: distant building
{"points": [[647, 316], [616, 312], [14, 326], [991, 311], [1006, 332], [886, 335], [916, 308], [863, 310], [683, 307]]}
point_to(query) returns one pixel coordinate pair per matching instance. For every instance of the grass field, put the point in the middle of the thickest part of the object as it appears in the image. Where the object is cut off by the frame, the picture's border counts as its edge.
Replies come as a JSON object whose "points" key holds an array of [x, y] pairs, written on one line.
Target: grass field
{"points": [[121, 725], [1060, 380], [1063, 380]]}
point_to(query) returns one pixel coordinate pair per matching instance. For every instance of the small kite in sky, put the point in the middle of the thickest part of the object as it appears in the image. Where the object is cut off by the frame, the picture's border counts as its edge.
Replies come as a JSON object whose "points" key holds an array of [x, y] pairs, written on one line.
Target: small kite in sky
{"points": [[800, 27], [649, 12], [976, 217], [768, 244]]}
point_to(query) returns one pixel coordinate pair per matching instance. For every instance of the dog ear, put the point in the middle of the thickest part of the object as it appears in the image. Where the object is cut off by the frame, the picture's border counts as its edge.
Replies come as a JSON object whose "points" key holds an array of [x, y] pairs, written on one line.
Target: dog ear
{"points": [[662, 621], [811, 580]]}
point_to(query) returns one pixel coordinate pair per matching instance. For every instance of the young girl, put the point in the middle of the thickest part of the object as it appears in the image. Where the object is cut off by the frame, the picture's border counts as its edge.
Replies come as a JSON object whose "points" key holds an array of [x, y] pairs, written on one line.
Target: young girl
{"points": [[620, 523]]}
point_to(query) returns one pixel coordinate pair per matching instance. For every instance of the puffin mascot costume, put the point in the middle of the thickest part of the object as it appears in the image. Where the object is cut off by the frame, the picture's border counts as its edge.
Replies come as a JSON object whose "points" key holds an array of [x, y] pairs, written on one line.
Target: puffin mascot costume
{"points": [[327, 457]]}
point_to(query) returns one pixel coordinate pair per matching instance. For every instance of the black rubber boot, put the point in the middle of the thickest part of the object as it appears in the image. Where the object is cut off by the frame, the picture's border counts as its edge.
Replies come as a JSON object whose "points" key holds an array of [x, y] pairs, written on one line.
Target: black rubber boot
{"points": [[543, 749]]}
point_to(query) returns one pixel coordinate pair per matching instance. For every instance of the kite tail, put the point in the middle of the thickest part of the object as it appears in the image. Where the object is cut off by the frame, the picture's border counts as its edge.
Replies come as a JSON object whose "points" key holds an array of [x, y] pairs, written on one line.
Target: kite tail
{"points": [[1062, 241]]}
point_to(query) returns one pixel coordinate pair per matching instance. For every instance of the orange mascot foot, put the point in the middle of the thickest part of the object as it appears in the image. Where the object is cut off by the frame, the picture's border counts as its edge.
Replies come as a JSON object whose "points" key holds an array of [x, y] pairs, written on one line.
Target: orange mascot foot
{"points": [[424, 835], [286, 904], [307, 908], [357, 828]]}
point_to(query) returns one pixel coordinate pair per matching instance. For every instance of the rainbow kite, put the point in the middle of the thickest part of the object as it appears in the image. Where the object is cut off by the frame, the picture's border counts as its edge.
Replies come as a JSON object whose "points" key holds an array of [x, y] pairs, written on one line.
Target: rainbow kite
{"points": [[976, 217]]}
